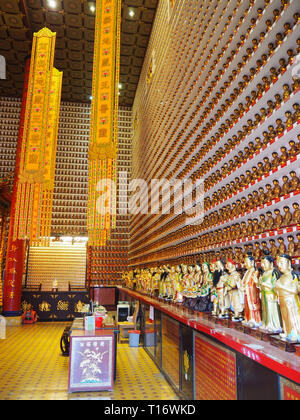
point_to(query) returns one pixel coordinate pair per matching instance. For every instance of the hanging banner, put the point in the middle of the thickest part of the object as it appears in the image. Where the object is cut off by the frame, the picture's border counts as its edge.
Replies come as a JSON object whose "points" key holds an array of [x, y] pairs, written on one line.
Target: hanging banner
{"points": [[37, 162], [104, 123], [50, 156]]}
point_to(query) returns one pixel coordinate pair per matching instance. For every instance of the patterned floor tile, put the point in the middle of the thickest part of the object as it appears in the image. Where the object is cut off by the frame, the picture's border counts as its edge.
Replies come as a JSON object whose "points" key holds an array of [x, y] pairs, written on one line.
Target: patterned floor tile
{"points": [[32, 368]]}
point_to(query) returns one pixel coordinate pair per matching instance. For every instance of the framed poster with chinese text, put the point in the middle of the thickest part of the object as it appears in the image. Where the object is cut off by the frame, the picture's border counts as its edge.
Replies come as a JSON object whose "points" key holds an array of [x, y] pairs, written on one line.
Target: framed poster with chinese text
{"points": [[215, 370], [91, 363]]}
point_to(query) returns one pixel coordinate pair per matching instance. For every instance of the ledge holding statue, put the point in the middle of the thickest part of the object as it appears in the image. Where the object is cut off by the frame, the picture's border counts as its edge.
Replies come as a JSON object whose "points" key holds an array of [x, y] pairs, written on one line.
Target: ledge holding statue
{"points": [[263, 302]]}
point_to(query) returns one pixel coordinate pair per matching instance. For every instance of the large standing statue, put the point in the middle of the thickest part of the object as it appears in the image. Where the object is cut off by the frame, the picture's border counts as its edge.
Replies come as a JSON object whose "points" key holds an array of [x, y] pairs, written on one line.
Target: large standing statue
{"points": [[232, 287], [251, 293], [198, 278], [188, 278], [204, 301], [213, 291], [177, 285], [163, 288], [168, 283], [190, 298], [287, 288], [221, 276], [271, 316], [156, 281]]}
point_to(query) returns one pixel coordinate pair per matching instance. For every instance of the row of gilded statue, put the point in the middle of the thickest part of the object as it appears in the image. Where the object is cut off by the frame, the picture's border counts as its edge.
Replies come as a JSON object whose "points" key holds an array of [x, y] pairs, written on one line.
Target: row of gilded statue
{"points": [[291, 116], [266, 299], [263, 195], [271, 221]]}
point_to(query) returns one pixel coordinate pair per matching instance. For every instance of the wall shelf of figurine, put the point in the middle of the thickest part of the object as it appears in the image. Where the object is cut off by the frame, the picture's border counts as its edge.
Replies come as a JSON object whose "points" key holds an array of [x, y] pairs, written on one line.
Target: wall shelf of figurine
{"points": [[10, 109], [106, 264], [232, 119], [70, 194]]}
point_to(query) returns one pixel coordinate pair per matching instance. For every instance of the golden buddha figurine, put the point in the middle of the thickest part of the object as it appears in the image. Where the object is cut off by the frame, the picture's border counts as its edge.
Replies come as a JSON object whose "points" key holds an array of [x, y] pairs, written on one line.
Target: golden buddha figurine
{"points": [[262, 196], [284, 156], [271, 316], [294, 182], [258, 144], [298, 245], [263, 114], [264, 248], [289, 120], [278, 219], [274, 75], [273, 248], [296, 114], [262, 223], [260, 169], [267, 165], [256, 199], [287, 218], [278, 100], [279, 127], [272, 133], [244, 230], [269, 24], [272, 48], [250, 291], [293, 151], [257, 251], [276, 15], [177, 284], [286, 185], [276, 192], [287, 288], [279, 38], [255, 174], [296, 84], [270, 222], [291, 55], [281, 246], [296, 214], [287, 29], [283, 65], [286, 92], [232, 290], [296, 18], [291, 246]]}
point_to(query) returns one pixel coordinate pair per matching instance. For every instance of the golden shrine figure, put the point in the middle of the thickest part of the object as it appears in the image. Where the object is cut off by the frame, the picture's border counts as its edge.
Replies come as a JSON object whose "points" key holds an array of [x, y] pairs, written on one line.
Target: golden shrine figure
{"points": [[271, 316], [251, 293], [287, 288]]}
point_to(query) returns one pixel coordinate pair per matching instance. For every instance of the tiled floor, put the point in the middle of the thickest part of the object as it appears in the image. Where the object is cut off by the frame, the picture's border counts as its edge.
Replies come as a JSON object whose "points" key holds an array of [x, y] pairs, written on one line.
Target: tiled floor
{"points": [[32, 367]]}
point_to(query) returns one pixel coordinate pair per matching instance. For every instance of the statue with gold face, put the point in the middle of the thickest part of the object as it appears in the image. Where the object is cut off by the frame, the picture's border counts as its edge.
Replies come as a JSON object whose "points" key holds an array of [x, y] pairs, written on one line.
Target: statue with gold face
{"points": [[156, 277], [287, 288], [177, 284], [168, 283]]}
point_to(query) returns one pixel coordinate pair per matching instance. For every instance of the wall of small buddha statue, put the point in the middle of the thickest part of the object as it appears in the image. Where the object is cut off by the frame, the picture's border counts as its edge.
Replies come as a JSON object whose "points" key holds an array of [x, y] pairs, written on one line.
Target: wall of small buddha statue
{"points": [[71, 180], [222, 105]]}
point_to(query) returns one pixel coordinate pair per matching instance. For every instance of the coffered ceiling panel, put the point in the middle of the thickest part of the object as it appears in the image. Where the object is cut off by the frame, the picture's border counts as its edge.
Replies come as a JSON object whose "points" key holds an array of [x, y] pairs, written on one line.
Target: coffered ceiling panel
{"points": [[74, 23]]}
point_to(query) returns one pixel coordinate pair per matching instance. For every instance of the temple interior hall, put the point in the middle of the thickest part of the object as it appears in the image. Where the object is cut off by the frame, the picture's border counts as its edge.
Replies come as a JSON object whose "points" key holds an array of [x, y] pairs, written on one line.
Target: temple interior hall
{"points": [[149, 201]]}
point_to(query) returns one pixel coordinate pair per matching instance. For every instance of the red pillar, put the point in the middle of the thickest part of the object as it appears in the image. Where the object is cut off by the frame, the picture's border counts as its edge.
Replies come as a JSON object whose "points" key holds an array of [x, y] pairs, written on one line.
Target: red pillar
{"points": [[15, 256]]}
